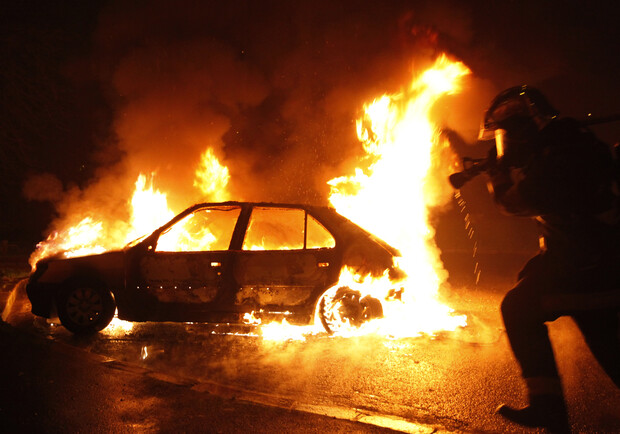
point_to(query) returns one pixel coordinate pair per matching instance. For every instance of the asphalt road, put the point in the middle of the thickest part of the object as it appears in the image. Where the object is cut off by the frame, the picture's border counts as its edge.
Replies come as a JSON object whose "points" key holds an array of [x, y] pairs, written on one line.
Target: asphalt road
{"points": [[450, 382]]}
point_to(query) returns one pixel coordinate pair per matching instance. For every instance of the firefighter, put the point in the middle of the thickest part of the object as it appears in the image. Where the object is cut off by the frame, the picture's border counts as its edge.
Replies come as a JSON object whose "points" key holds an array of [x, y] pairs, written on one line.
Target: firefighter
{"points": [[559, 173]]}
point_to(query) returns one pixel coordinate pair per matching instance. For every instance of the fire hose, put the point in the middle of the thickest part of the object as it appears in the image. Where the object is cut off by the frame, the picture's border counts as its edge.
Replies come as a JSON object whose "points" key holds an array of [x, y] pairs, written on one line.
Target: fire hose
{"points": [[472, 167]]}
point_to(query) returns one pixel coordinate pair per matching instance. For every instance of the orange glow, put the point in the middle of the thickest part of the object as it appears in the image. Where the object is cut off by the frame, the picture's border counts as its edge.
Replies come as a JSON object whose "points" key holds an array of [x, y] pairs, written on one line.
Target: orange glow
{"points": [[81, 239], [281, 331], [401, 177], [393, 194], [212, 178], [148, 209], [118, 327], [391, 198]]}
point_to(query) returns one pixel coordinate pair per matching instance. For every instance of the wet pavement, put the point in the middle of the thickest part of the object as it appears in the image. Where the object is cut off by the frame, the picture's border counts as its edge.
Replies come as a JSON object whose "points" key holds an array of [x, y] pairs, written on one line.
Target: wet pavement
{"points": [[49, 387], [204, 373]]}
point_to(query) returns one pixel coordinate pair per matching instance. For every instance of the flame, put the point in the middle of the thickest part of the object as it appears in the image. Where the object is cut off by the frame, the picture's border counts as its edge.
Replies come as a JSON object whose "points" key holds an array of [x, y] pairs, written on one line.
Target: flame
{"points": [[212, 177], [391, 197], [81, 239], [118, 326], [78, 240], [148, 209]]}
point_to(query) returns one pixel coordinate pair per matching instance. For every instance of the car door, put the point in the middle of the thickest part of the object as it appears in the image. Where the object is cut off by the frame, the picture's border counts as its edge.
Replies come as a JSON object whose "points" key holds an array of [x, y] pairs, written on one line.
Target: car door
{"points": [[286, 257], [186, 272]]}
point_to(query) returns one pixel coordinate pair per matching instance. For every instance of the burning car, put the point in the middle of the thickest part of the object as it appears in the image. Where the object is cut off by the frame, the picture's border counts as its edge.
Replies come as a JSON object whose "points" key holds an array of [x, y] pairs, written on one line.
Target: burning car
{"points": [[215, 262]]}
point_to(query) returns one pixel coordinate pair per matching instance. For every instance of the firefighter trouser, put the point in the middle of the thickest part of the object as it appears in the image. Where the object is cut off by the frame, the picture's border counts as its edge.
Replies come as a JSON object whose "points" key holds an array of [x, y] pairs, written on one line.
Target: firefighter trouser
{"points": [[537, 298]]}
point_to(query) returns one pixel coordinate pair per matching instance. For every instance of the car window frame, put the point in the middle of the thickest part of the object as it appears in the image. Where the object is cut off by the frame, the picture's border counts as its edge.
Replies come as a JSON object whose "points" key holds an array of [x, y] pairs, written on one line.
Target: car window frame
{"points": [[192, 210], [248, 215]]}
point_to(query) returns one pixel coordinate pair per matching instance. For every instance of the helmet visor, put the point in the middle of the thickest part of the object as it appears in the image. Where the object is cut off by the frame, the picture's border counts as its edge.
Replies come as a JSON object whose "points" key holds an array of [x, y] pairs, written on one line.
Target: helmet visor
{"points": [[500, 142], [486, 132], [499, 115]]}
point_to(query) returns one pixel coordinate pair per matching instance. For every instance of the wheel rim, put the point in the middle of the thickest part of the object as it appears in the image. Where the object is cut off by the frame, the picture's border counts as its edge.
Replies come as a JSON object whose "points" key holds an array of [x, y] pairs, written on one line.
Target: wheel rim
{"points": [[339, 312], [84, 306]]}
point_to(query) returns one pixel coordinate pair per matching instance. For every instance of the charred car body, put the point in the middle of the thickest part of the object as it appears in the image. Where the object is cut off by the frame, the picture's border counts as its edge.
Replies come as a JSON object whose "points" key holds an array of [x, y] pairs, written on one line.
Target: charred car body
{"points": [[215, 262]]}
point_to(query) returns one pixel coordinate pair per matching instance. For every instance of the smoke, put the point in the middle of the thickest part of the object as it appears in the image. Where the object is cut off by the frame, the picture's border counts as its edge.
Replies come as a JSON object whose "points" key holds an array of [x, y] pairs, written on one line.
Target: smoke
{"points": [[187, 83], [43, 187], [179, 102], [272, 88]]}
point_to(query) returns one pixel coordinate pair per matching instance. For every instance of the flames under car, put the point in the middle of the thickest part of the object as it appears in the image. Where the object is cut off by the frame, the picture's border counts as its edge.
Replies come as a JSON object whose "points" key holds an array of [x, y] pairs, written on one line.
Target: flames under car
{"points": [[216, 262]]}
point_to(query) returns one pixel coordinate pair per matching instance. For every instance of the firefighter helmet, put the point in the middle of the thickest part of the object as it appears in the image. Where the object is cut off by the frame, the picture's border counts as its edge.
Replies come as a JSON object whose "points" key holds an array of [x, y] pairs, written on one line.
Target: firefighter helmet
{"points": [[510, 107], [514, 119]]}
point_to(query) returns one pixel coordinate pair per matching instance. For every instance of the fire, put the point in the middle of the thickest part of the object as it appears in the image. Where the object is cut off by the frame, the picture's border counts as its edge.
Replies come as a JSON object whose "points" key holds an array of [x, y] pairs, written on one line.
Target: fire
{"points": [[118, 326], [212, 177], [78, 240], [280, 331], [402, 177], [148, 209], [392, 197]]}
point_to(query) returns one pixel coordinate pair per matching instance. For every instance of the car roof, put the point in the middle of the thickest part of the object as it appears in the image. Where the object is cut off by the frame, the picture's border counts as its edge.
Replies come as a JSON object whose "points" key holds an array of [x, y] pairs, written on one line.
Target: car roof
{"points": [[250, 203]]}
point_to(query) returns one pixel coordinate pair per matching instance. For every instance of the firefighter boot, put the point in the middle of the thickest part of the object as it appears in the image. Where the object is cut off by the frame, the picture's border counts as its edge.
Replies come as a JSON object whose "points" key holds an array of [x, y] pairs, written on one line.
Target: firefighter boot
{"points": [[546, 409]]}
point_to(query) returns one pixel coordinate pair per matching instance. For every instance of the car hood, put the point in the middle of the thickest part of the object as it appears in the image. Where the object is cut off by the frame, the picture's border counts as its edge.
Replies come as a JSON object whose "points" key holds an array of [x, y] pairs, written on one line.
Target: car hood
{"points": [[57, 268]]}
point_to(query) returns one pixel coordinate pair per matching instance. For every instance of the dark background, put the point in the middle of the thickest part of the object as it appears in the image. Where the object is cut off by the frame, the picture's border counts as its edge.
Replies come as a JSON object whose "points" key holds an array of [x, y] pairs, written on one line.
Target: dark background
{"points": [[94, 91]]}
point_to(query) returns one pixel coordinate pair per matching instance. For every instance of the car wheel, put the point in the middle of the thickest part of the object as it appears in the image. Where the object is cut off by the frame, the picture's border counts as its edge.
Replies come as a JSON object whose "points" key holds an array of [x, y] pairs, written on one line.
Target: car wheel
{"points": [[85, 307], [372, 308], [343, 308]]}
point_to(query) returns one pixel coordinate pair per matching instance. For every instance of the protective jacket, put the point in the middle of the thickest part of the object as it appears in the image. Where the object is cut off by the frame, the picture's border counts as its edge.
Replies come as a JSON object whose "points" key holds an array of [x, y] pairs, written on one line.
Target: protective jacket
{"points": [[568, 184], [559, 173]]}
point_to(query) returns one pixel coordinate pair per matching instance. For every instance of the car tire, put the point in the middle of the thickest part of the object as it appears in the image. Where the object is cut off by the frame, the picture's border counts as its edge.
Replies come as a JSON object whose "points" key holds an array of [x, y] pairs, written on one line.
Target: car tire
{"points": [[85, 307], [339, 309]]}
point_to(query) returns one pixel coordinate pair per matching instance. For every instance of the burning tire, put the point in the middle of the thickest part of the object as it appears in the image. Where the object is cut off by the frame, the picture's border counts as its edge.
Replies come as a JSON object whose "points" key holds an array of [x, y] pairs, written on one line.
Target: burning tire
{"points": [[85, 307], [344, 308]]}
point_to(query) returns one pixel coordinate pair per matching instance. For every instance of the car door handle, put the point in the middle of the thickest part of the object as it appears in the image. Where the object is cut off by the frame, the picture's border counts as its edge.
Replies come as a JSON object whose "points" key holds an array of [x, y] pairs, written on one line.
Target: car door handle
{"points": [[322, 264], [216, 264]]}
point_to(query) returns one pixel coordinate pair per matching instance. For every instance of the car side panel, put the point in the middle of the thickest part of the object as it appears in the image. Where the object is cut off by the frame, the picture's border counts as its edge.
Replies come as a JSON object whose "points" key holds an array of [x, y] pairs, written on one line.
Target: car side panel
{"points": [[181, 277], [55, 274], [178, 286], [283, 279]]}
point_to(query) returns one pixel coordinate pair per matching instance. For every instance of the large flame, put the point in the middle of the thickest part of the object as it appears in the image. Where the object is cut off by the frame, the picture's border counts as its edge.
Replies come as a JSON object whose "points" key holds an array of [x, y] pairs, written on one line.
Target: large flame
{"points": [[403, 178], [149, 209], [391, 197]]}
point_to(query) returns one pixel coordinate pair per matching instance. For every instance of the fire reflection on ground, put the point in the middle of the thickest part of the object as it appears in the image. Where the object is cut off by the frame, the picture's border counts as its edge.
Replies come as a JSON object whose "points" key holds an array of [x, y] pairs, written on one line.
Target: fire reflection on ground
{"points": [[242, 355], [454, 379], [370, 372]]}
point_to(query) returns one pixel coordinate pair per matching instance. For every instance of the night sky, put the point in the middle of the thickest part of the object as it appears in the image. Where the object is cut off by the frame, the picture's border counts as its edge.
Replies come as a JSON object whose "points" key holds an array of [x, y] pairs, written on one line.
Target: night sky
{"points": [[93, 92]]}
